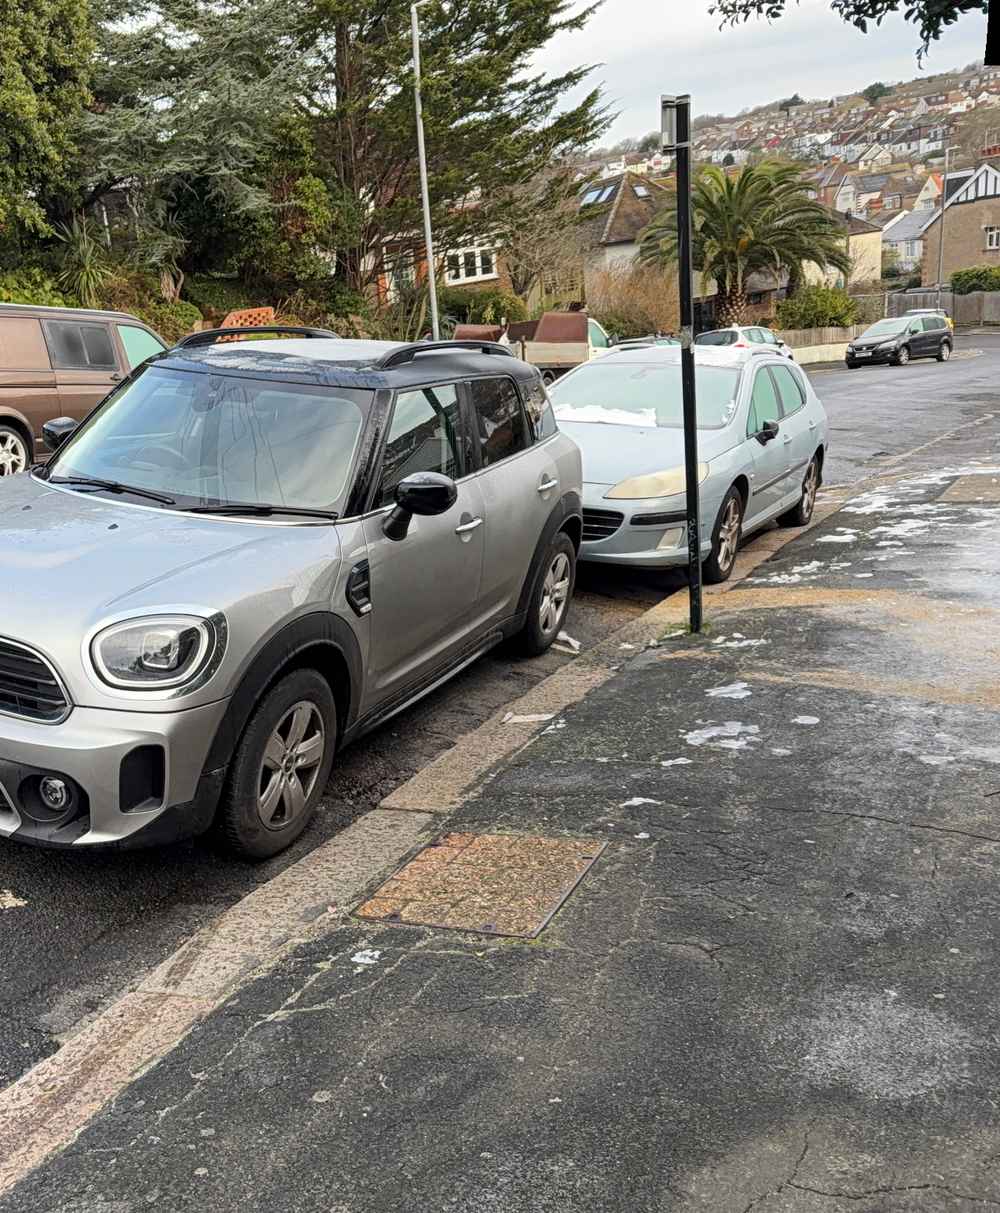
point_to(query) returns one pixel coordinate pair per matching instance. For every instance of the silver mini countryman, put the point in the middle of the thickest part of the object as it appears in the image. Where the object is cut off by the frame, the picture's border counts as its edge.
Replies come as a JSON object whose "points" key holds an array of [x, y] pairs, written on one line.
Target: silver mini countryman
{"points": [[251, 553]]}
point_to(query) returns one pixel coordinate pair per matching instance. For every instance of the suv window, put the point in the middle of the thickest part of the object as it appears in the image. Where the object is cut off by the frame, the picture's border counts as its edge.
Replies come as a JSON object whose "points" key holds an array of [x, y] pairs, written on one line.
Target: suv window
{"points": [[933, 323], [717, 337], [790, 391], [79, 346], [755, 335], [423, 437], [540, 414], [503, 430], [764, 404], [768, 337]]}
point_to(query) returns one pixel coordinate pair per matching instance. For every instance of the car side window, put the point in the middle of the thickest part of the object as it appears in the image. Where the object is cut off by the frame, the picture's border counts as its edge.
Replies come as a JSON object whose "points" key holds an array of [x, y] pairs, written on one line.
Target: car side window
{"points": [[932, 323], [598, 337], [764, 404], [755, 335], [503, 428], [790, 391], [768, 337], [139, 344], [423, 437], [540, 415], [916, 326], [74, 346]]}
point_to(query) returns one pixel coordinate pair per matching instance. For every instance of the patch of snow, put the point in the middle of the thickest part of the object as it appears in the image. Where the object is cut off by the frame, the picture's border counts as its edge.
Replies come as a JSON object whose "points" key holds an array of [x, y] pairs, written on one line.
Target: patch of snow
{"points": [[732, 735], [935, 760], [811, 567], [805, 720], [676, 762], [864, 574], [735, 690], [9, 901], [780, 752], [836, 538], [637, 800], [642, 835], [367, 956], [531, 718]]}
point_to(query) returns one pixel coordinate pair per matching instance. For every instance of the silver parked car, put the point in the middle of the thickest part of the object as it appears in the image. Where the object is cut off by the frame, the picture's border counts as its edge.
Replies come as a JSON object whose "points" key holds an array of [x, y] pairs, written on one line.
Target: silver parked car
{"points": [[744, 336], [762, 439], [250, 554]]}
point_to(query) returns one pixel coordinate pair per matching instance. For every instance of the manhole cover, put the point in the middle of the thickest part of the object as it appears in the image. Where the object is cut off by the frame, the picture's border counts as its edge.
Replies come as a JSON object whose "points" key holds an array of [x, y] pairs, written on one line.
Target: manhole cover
{"points": [[974, 489], [495, 884]]}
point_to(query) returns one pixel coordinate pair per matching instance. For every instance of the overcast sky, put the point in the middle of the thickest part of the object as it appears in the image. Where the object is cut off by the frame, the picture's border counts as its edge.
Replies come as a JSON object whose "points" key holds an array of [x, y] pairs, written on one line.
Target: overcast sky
{"points": [[648, 47]]}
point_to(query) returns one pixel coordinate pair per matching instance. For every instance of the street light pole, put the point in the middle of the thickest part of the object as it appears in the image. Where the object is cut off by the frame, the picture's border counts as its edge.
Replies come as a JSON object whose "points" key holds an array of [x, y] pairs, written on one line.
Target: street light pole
{"points": [[675, 129], [944, 199], [422, 158]]}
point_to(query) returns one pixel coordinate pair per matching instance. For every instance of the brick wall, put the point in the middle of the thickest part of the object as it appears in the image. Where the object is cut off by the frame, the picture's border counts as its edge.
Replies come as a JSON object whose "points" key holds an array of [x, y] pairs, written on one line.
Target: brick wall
{"points": [[964, 239]]}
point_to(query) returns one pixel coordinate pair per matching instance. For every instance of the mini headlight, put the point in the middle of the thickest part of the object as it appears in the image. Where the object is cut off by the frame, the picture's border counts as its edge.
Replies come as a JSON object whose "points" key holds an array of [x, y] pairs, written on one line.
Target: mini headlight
{"points": [[655, 484], [158, 652]]}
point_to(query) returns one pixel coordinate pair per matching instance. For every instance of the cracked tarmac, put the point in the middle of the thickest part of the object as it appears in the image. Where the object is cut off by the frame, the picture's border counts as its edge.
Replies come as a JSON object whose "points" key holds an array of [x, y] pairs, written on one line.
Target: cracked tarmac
{"points": [[774, 993]]}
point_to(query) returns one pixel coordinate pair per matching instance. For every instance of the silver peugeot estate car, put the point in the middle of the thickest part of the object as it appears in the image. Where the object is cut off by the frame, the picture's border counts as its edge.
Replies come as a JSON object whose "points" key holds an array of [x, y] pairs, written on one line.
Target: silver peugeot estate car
{"points": [[253, 552], [762, 439]]}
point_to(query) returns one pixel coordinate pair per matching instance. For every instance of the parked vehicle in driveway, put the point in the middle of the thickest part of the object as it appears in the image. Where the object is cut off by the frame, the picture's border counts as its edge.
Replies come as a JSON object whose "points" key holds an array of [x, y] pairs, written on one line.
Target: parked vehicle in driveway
{"points": [[762, 440], [249, 555], [744, 336], [60, 360], [898, 339]]}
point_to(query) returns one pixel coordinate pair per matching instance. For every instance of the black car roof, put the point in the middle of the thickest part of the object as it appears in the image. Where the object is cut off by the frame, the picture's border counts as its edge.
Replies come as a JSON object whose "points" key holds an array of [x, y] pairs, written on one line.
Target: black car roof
{"points": [[345, 363]]}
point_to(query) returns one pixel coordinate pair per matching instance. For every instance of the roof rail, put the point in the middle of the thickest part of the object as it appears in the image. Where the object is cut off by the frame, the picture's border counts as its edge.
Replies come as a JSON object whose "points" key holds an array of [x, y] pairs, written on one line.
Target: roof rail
{"points": [[210, 336], [407, 353]]}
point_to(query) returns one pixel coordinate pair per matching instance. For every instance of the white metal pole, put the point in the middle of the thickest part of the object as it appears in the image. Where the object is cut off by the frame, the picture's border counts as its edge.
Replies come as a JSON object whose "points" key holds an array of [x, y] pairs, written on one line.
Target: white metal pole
{"points": [[424, 188], [944, 199]]}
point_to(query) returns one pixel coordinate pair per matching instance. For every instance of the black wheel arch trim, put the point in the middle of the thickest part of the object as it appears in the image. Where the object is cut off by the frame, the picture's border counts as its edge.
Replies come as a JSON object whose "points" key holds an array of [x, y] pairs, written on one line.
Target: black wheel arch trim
{"points": [[569, 505], [276, 654]]}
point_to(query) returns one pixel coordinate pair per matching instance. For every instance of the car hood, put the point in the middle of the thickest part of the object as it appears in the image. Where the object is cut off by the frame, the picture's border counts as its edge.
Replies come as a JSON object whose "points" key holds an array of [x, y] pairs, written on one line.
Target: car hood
{"points": [[867, 343], [614, 452], [68, 560]]}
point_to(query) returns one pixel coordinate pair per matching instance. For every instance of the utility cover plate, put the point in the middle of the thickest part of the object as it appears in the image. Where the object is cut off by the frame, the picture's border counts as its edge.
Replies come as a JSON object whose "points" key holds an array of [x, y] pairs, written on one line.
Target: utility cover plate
{"points": [[494, 884], [973, 489]]}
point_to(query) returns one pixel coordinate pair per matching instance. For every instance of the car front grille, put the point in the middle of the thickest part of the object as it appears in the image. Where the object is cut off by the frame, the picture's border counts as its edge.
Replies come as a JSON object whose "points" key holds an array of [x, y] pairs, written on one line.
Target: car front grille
{"points": [[29, 686], [600, 524]]}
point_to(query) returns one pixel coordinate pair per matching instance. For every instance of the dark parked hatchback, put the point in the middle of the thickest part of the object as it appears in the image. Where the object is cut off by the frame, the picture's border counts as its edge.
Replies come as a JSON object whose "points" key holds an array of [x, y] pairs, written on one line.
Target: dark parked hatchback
{"points": [[898, 339]]}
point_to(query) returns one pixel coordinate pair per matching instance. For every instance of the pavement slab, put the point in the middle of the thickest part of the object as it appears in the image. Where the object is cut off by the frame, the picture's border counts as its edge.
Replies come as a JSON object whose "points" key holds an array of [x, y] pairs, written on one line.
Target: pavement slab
{"points": [[776, 991]]}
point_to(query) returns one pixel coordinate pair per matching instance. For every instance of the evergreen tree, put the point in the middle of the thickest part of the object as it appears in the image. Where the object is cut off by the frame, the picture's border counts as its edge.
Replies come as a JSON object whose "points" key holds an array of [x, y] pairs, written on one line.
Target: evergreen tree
{"points": [[45, 51]]}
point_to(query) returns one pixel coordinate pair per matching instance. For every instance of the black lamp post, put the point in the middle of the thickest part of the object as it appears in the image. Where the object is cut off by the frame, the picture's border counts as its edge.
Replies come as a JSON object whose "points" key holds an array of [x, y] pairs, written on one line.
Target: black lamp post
{"points": [[675, 129]]}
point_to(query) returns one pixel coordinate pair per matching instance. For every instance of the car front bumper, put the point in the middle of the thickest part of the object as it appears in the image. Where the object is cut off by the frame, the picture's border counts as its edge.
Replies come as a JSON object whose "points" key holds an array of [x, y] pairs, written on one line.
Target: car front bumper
{"points": [[648, 534], [134, 778], [880, 357]]}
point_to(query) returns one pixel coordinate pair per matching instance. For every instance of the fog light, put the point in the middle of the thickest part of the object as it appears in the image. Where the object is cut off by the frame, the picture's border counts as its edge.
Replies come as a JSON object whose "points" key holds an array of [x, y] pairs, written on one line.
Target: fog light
{"points": [[54, 792], [670, 539]]}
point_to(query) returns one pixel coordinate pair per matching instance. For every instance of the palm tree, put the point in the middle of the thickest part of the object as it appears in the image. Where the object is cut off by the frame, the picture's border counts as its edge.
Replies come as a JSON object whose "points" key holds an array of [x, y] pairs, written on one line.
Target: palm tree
{"points": [[759, 219]]}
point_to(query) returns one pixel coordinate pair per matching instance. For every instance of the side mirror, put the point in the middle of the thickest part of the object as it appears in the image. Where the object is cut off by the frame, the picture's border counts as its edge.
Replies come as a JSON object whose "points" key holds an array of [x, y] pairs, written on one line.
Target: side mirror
{"points": [[56, 432], [425, 493], [768, 432]]}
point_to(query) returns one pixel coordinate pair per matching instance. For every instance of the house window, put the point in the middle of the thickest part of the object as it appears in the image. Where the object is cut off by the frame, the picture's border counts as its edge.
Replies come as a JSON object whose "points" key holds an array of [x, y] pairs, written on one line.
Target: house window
{"points": [[590, 197], [992, 237], [400, 274], [640, 191], [471, 265]]}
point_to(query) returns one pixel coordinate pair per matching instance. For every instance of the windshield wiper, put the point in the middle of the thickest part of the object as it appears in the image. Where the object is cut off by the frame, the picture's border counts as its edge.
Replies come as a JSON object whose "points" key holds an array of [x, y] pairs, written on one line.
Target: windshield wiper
{"points": [[112, 486], [261, 511]]}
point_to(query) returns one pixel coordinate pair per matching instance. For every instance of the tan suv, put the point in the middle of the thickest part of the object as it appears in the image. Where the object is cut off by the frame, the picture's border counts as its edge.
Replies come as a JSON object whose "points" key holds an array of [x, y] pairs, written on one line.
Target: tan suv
{"points": [[60, 362]]}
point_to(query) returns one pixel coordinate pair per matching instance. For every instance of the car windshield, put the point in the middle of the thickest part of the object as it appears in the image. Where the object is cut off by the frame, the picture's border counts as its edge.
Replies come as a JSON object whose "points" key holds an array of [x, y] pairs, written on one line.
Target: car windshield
{"points": [[210, 439], [719, 337], [886, 328], [630, 393]]}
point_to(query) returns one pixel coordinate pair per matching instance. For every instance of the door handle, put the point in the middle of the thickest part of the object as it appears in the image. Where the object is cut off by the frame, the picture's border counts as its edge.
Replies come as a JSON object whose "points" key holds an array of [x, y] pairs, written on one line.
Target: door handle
{"points": [[115, 378], [464, 527], [787, 439], [812, 425], [551, 483]]}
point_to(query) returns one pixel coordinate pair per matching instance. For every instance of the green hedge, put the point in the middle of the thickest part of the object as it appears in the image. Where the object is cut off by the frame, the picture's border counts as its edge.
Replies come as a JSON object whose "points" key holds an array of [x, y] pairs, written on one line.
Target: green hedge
{"points": [[817, 307], [219, 296], [977, 278], [480, 307], [33, 286]]}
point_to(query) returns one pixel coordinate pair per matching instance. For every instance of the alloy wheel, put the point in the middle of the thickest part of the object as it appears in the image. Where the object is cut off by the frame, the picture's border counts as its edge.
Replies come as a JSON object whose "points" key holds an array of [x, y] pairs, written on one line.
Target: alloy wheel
{"points": [[729, 534], [555, 593], [810, 486], [13, 453], [291, 764], [903, 357], [945, 351]]}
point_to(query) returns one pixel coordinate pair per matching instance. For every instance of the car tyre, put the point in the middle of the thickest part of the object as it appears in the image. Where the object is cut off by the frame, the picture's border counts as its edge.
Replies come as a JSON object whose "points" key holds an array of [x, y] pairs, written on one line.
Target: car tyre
{"points": [[901, 357], [15, 451], [548, 378], [803, 511], [944, 353], [550, 598], [726, 536], [852, 366], [280, 767]]}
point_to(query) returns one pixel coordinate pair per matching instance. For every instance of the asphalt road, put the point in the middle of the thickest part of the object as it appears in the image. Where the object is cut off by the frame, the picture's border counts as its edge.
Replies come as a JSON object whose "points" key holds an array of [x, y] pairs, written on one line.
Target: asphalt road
{"points": [[91, 923]]}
